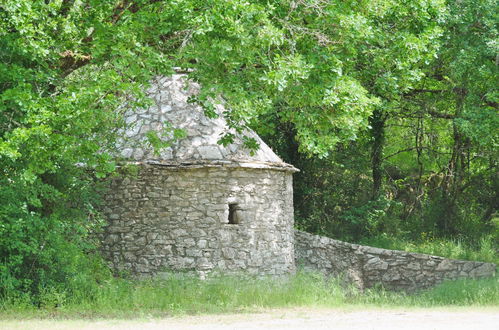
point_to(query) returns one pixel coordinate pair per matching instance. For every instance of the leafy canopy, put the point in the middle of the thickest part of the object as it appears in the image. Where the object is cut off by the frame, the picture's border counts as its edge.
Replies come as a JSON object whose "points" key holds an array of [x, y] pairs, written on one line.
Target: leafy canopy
{"points": [[66, 67]]}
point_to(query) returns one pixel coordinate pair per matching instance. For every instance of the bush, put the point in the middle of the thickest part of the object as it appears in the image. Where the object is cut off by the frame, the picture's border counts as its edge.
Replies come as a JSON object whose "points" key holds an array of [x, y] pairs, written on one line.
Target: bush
{"points": [[46, 244]]}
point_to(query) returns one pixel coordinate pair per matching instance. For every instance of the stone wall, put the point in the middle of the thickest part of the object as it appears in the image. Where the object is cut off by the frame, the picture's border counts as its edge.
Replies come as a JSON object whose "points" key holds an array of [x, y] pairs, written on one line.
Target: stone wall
{"points": [[176, 218], [366, 266]]}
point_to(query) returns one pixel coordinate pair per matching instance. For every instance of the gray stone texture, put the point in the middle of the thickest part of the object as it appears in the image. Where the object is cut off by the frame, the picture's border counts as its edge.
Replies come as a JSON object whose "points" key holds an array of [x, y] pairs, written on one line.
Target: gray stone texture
{"points": [[170, 218], [174, 214], [366, 266], [171, 110]]}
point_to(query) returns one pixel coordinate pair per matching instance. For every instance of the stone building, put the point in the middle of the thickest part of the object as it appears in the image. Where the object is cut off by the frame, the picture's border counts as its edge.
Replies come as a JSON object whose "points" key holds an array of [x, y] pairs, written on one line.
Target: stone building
{"points": [[197, 205]]}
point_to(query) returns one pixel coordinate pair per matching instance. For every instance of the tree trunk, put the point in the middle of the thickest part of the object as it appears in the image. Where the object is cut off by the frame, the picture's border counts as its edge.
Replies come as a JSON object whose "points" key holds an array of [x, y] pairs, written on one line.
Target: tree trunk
{"points": [[455, 169], [377, 121]]}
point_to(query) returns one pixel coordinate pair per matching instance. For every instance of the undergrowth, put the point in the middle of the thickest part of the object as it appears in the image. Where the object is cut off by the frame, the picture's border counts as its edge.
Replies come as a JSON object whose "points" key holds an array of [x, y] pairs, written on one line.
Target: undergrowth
{"points": [[484, 250], [184, 294]]}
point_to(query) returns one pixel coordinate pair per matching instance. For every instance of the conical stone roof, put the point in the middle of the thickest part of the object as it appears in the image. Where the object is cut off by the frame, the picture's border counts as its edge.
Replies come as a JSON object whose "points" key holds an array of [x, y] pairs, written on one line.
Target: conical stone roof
{"points": [[200, 147]]}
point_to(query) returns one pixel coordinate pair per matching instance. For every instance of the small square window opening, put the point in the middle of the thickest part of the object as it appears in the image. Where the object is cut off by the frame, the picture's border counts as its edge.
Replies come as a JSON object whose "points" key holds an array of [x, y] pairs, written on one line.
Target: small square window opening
{"points": [[233, 214]]}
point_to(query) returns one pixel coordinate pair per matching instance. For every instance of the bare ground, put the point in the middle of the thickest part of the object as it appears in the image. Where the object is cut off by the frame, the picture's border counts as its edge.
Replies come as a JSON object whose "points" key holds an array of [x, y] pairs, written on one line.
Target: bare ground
{"points": [[290, 319]]}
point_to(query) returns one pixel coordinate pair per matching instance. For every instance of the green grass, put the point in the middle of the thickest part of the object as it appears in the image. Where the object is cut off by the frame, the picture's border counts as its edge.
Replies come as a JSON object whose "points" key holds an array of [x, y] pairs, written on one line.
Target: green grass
{"points": [[484, 250], [183, 294], [464, 292]]}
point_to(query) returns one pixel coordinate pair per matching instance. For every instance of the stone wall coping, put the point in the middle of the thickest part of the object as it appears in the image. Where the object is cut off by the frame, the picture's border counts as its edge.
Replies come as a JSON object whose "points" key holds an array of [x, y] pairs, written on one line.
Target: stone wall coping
{"points": [[380, 251], [217, 164]]}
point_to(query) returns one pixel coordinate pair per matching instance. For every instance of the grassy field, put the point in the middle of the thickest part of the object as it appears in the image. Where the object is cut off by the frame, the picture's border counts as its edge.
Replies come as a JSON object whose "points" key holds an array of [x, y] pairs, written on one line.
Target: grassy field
{"points": [[181, 294]]}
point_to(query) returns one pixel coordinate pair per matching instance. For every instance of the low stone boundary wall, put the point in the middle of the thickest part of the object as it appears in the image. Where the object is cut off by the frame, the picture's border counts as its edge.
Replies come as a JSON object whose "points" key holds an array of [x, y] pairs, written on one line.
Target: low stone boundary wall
{"points": [[366, 266]]}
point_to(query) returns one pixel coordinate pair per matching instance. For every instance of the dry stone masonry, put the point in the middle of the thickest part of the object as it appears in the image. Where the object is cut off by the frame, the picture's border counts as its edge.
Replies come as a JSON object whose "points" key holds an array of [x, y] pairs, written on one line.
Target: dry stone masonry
{"points": [[171, 110], [170, 218], [366, 266], [203, 207], [198, 205]]}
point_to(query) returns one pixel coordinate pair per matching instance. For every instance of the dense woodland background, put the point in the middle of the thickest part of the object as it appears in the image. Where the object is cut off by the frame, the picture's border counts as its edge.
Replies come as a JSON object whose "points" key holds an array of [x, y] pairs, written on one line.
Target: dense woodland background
{"points": [[388, 107]]}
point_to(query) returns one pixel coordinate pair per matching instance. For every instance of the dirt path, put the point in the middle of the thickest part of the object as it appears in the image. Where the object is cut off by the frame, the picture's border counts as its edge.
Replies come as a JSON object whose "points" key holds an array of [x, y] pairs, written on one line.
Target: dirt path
{"points": [[291, 319]]}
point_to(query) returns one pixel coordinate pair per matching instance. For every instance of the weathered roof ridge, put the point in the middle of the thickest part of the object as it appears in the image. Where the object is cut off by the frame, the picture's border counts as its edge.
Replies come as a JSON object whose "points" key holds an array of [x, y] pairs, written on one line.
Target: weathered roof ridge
{"points": [[221, 163]]}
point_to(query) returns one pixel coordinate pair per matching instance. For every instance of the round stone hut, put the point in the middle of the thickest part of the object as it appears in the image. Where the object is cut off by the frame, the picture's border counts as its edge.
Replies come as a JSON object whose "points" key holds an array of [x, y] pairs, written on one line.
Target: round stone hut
{"points": [[197, 205]]}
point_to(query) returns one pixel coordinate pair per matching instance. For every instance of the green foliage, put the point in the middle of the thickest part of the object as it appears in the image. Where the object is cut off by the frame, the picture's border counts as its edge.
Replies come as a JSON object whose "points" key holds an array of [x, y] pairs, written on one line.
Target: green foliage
{"points": [[431, 150], [163, 139], [181, 294], [38, 250], [312, 65], [306, 74], [485, 249], [462, 293], [65, 69], [465, 292], [371, 218]]}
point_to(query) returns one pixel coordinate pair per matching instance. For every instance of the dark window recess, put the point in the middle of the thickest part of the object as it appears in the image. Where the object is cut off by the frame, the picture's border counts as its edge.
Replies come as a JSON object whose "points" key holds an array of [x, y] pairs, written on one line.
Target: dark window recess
{"points": [[233, 214]]}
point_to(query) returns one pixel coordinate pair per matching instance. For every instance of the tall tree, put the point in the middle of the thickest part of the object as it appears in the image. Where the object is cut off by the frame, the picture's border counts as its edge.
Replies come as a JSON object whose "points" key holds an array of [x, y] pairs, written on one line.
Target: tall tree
{"points": [[65, 68], [327, 71]]}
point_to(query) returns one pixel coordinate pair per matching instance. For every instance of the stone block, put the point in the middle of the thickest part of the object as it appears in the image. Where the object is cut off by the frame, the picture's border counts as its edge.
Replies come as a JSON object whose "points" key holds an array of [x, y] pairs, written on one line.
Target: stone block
{"points": [[445, 265], [375, 263], [413, 266], [209, 152]]}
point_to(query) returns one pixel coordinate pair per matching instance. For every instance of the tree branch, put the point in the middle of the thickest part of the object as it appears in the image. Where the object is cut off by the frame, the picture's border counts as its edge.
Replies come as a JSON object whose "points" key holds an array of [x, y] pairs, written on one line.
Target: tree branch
{"points": [[409, 149], [441, 115], [423, 90]]}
